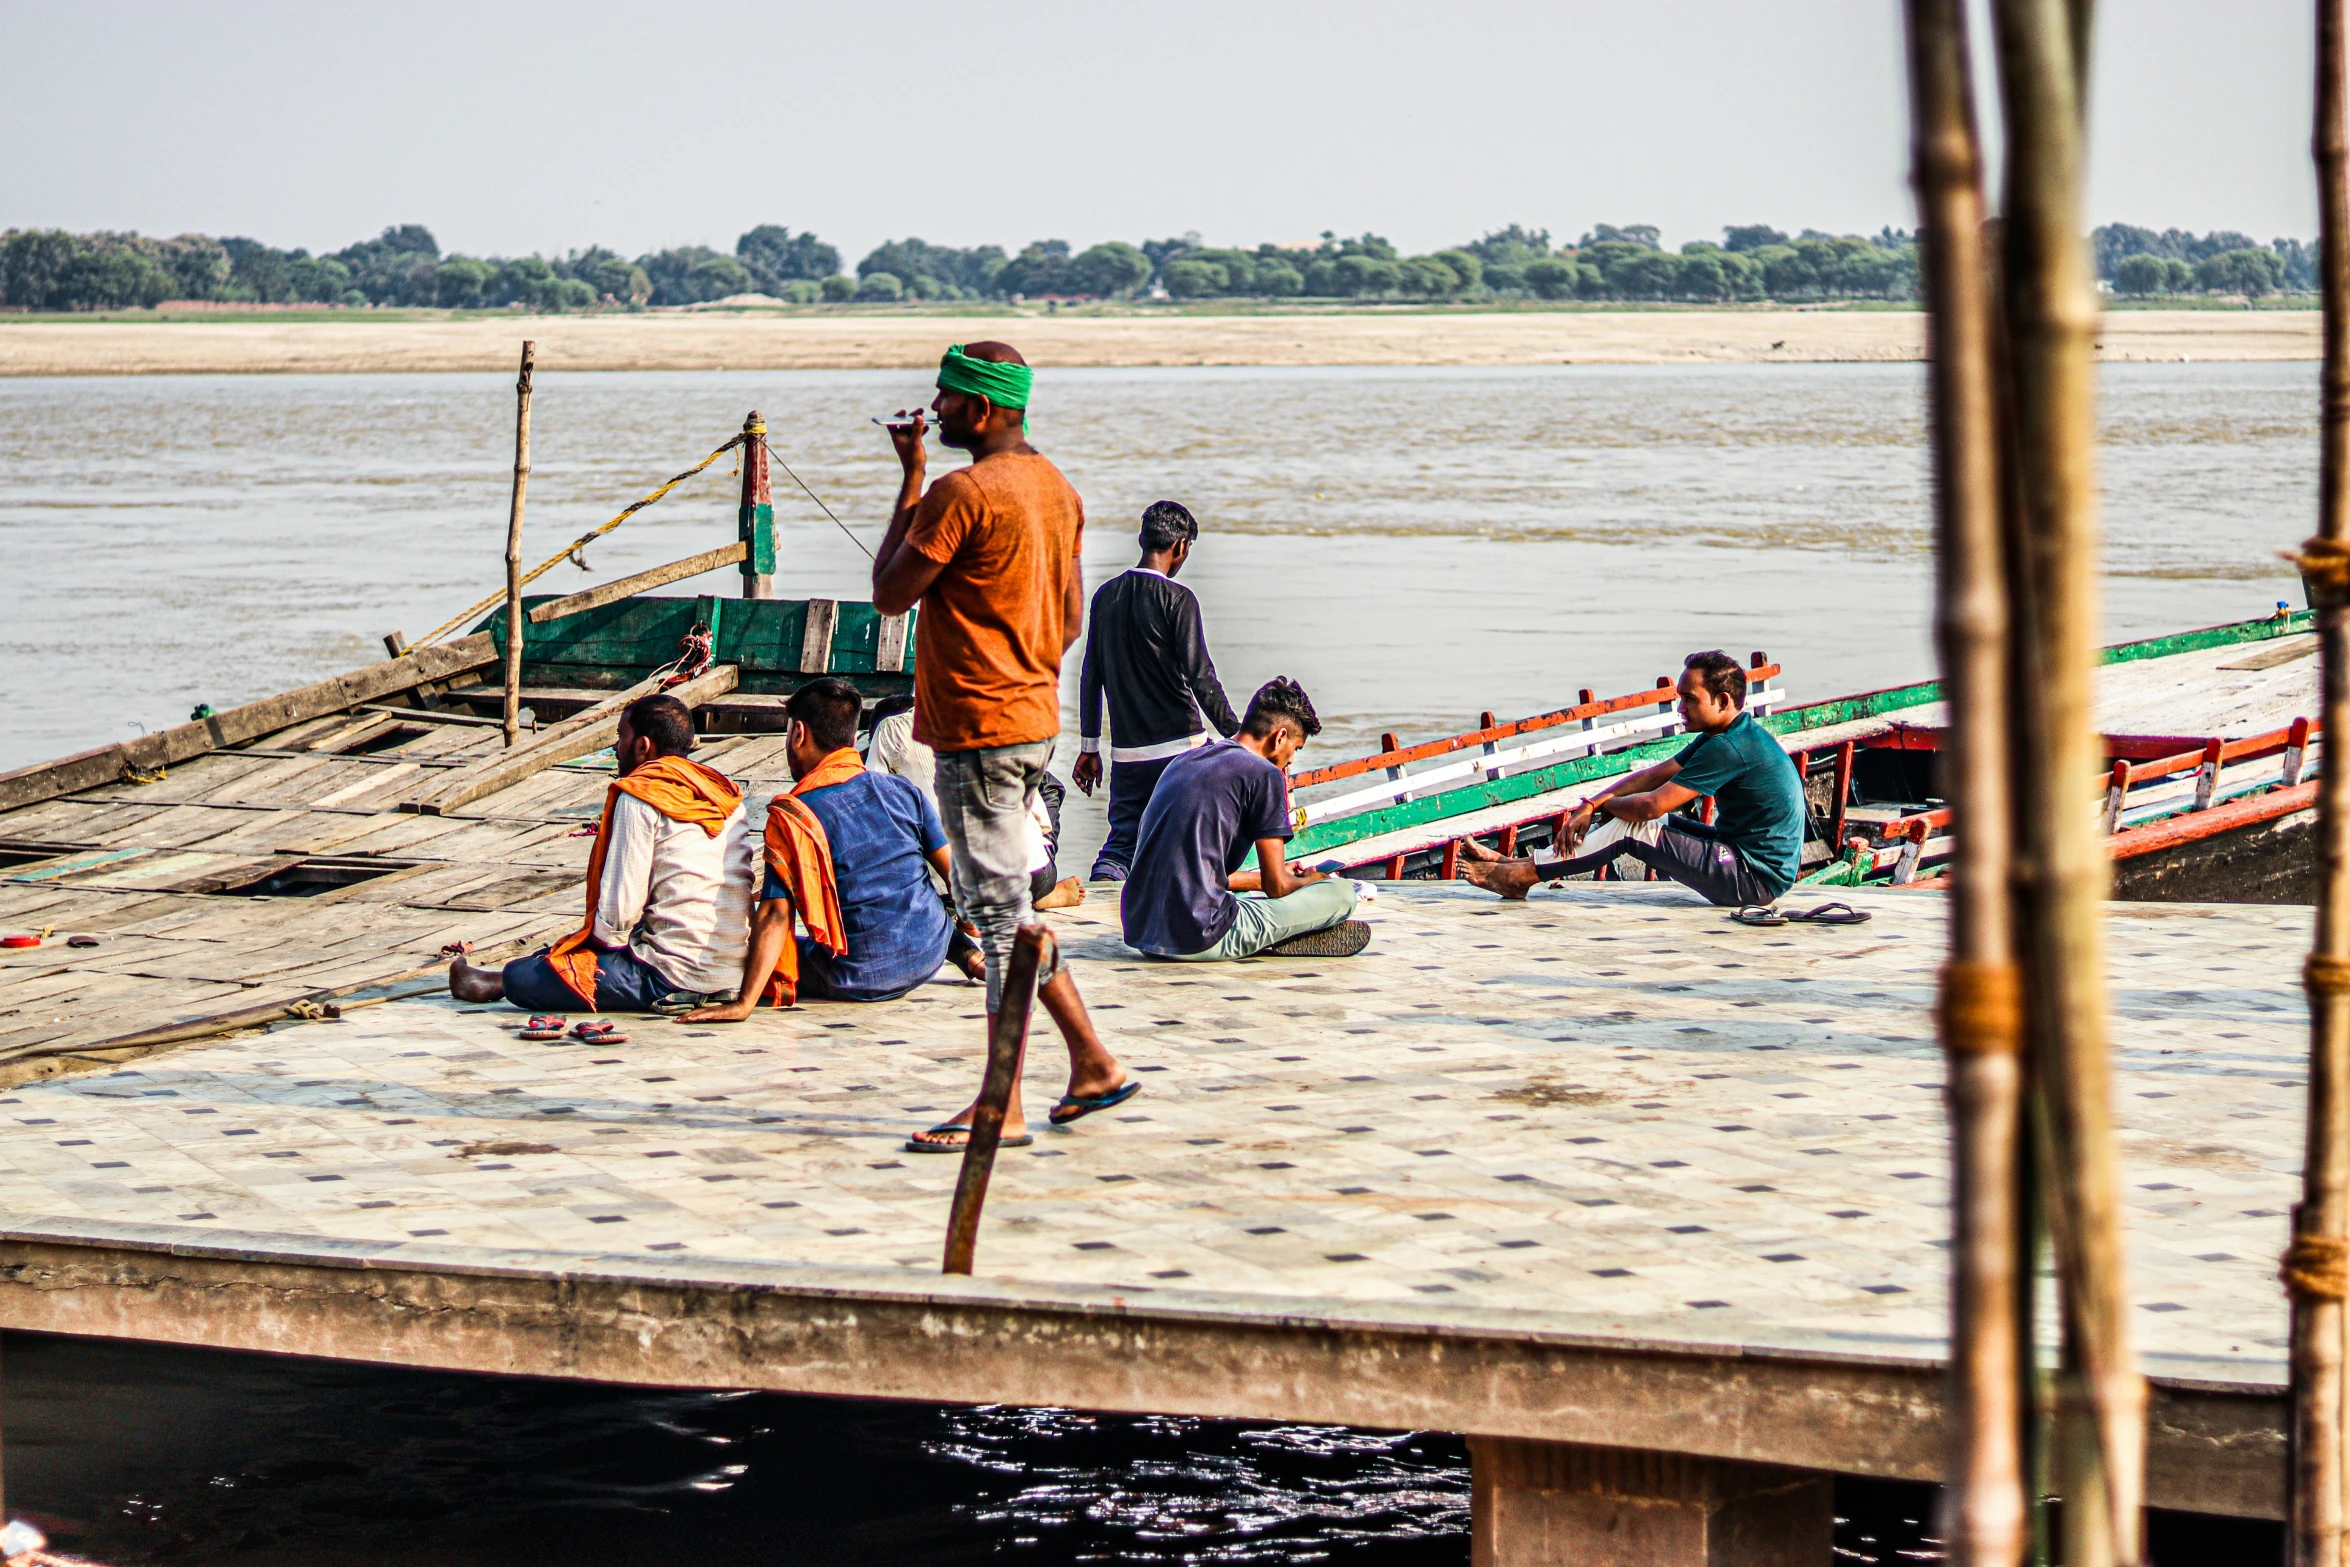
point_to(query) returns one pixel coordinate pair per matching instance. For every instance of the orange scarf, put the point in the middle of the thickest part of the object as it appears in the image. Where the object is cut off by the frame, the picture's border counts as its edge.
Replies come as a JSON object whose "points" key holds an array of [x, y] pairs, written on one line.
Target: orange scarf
{"points": [[679, 788], [801, 857]]}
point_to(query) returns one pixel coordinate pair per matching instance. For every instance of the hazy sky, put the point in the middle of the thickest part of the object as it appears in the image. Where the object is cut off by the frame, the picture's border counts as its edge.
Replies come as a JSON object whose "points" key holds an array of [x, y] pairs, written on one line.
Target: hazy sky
{"points": [[509, 128]]}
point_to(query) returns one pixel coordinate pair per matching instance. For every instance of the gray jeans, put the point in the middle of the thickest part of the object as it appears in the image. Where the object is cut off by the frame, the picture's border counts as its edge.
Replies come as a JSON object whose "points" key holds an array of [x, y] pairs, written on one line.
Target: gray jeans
{"points": [[983, 801]]}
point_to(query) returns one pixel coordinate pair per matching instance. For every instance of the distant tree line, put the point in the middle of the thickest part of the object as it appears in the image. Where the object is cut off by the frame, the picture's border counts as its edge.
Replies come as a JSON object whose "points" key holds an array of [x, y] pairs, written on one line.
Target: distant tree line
{"points": [[49, 269], [1608, 263], [2140, 262]]}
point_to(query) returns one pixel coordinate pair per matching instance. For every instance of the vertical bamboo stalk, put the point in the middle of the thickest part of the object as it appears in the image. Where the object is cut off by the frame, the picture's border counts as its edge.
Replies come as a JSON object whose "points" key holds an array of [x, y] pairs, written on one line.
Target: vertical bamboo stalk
{"points": [[1984, 1504], [2313, 1266], [514, 547], [2060, 874]]}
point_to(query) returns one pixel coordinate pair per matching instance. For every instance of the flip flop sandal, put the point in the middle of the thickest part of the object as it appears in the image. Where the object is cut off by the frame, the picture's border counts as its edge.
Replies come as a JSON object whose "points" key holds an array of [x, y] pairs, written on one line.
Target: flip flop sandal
{"points": [[1079, 1106], [1342, 940], [598, 1034], [1830, 914], [1759, 916], [540, 1033], [542, 1026], [917, 1145]]}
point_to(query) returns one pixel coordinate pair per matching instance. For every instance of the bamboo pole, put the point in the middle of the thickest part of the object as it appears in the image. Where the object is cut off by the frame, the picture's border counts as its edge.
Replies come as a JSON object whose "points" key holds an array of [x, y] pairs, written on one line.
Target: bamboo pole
{"points": [[1007, 1040], [1984, 1521], [2313, 1264], [514, 623], [2060, 875]]}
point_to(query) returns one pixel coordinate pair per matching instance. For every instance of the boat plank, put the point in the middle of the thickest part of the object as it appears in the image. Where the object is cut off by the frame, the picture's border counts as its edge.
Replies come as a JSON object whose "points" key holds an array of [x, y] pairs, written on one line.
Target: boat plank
{"points": [[242, 724]]}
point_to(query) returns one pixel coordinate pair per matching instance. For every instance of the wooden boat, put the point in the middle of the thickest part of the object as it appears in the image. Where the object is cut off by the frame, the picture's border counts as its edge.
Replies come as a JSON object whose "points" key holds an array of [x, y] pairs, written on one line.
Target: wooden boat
{"points": [[2210, 739]]}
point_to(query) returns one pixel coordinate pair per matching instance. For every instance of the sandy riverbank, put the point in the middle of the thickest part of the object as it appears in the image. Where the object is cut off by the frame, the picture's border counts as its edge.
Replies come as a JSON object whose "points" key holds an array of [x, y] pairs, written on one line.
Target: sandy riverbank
{"points": [[770, 342]]}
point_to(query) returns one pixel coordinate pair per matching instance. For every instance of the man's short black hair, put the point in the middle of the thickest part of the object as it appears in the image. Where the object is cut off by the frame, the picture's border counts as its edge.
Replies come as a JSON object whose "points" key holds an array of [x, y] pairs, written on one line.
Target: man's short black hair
{"points": [[1277, 699], [1720, 674], [829, 707], [664, 720], [1166, 524]]}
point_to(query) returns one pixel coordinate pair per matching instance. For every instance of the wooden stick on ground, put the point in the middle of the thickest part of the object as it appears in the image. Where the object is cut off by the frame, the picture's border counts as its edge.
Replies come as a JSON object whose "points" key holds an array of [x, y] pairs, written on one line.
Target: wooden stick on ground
{"points": [[2061, 873], [1007, 1038], [1984, 1503], [514, 625], [2313, 1266]]}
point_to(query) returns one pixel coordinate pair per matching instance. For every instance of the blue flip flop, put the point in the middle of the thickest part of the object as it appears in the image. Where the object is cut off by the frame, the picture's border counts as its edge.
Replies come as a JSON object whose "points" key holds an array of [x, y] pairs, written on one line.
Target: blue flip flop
{"points": [[1080, 1106]]}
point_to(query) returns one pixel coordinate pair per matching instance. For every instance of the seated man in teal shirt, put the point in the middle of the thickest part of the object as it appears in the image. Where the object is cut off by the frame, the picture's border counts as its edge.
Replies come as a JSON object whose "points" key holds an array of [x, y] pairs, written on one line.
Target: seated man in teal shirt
{"points": [[1747, 858]]}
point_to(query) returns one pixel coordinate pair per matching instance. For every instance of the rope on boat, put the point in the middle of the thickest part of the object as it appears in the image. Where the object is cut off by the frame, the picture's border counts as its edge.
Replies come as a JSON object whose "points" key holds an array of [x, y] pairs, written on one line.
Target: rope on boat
{"points": [[571, 551], [812, 495]]}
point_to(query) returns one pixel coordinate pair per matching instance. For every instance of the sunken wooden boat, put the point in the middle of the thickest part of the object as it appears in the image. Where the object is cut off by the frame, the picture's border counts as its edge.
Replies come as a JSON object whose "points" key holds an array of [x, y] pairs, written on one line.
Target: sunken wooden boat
{"points": [[318, 848], [2210, 742]]}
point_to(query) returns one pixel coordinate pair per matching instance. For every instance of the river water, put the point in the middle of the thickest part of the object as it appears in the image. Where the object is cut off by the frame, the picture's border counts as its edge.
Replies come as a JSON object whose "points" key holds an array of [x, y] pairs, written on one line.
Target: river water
{"points": [[1414, 545]]}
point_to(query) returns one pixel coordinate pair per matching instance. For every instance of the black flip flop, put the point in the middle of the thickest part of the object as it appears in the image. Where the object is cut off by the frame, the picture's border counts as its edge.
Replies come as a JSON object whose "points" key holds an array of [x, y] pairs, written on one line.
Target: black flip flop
{"points": [[1830, 914], [1759, 915]]}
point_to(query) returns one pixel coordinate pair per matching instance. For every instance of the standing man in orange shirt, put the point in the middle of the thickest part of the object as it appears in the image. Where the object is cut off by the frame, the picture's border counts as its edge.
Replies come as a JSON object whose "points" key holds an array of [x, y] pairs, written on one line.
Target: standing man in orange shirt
{"points": [[990, 553]]}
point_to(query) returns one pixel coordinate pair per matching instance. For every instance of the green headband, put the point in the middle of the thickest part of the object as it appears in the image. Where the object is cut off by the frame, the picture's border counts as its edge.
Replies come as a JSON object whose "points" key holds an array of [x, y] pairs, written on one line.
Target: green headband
{"points": [[1006, 386]]}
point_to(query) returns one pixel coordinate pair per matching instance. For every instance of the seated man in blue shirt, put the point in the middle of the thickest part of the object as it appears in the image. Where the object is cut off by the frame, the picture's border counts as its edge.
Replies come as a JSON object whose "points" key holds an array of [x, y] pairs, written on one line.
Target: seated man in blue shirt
{"points": [[1210, 807], [884, 838], [1747, 858]]}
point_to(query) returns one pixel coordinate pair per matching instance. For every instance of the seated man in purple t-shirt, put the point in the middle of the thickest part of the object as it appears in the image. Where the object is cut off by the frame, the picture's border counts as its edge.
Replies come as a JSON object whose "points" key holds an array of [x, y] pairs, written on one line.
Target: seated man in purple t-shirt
{"points": [[1209, 808]]}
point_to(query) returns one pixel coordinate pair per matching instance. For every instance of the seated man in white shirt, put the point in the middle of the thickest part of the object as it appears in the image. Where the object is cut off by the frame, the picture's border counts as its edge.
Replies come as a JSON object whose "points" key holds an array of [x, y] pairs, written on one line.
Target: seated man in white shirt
{"points": [[669, 886], [892, 748]]}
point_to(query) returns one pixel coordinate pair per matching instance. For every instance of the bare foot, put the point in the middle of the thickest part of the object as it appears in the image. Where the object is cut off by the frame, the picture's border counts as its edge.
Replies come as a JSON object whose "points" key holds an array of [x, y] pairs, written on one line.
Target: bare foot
{"points": [[1066, 894], [468, 983], [1471, 849], [1513, 879], [955, 1130]]}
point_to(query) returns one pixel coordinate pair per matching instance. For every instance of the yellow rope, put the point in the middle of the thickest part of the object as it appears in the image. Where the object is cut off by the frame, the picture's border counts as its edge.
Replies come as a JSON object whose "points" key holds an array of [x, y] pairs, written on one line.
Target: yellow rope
{"points": [[571, 551], [2325, 571], [1981, 1009], [2313, 1268], [2325, 976]]}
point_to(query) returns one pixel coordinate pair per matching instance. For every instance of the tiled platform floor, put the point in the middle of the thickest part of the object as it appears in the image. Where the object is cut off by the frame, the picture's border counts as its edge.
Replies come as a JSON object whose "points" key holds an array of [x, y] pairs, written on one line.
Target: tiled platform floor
{"points": [[1609, 1107]]}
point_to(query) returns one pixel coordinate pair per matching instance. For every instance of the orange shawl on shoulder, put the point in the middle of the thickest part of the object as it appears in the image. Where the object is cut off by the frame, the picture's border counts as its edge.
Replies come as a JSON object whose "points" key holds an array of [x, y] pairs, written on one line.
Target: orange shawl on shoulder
{"points": [[801, 857], [679, 788]]}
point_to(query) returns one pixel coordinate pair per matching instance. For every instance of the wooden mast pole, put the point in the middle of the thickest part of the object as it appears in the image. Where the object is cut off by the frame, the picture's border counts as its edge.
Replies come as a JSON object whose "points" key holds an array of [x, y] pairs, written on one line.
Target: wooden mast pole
{"points": [[755, 518], [1984, 1504], [514, 624], [2313, 1266], [2061, 874]]}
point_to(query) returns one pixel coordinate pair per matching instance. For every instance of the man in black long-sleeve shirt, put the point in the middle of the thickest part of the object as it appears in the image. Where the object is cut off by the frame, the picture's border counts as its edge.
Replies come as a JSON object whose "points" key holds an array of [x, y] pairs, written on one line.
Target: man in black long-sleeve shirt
{"points": [[1145, 647]]}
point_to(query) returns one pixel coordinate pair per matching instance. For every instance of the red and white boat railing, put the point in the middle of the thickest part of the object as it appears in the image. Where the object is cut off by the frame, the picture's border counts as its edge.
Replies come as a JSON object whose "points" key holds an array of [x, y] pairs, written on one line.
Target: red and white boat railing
{"points": [[1590, 728]]}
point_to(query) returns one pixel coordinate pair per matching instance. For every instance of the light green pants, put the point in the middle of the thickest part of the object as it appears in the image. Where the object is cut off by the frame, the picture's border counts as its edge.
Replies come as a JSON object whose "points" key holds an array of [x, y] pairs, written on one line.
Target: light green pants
{"points": [[1264, 921]]}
